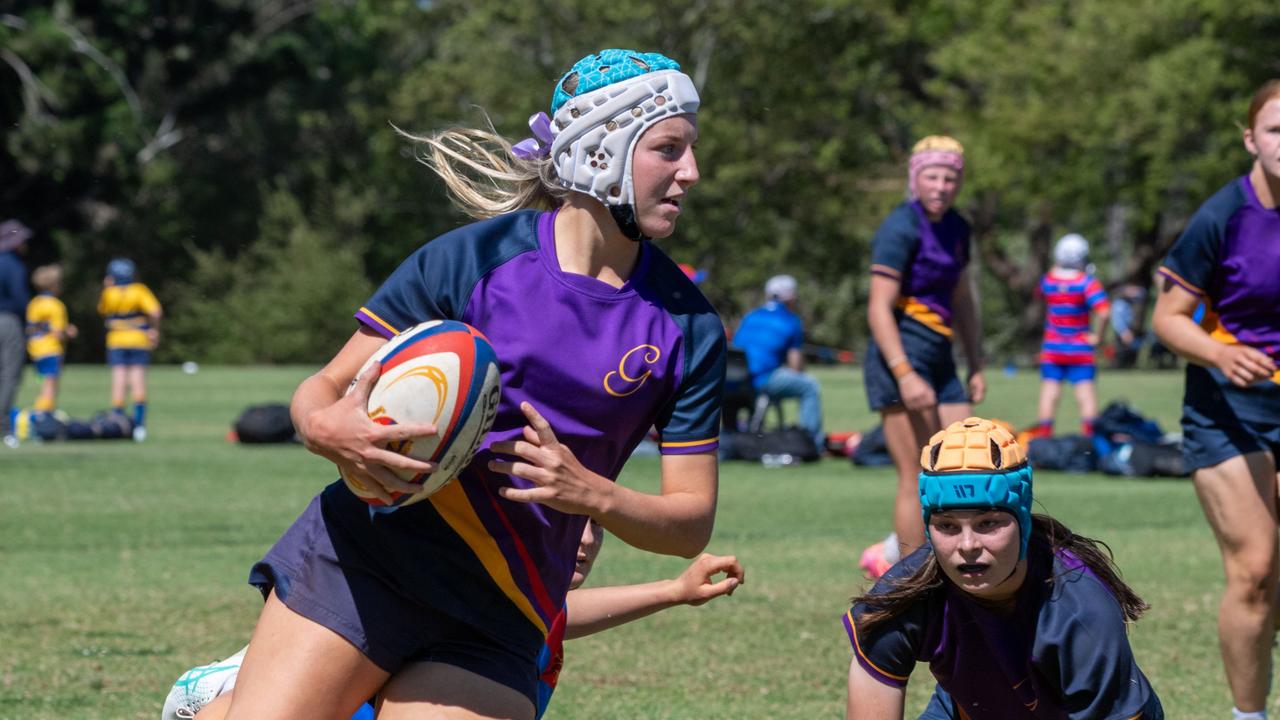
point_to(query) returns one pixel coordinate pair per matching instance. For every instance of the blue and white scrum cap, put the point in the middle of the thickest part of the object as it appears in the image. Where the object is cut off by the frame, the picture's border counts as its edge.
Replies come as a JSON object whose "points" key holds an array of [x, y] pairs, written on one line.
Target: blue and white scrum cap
{"points": [[599, 110]]}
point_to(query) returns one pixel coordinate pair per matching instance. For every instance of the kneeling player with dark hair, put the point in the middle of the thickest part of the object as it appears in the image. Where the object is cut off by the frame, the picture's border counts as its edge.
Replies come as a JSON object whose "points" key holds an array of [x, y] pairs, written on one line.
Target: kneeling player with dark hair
{"points": [[1017, 616]]}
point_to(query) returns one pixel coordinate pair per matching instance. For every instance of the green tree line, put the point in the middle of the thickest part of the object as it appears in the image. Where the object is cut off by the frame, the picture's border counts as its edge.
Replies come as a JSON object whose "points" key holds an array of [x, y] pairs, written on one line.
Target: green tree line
{"points": [[245, 153]]}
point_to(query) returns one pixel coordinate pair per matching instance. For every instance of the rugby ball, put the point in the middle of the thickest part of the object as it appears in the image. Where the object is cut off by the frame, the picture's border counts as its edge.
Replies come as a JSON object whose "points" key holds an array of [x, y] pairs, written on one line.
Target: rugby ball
{"points": [[442, 372]]}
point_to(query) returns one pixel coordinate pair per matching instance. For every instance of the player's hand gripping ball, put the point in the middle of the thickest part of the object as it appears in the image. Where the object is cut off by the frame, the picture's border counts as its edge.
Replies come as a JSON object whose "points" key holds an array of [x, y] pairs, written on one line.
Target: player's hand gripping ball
{"points": [[442, 372]]}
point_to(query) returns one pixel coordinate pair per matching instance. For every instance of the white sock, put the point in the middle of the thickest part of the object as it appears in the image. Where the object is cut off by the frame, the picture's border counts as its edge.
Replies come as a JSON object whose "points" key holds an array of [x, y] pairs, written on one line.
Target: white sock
{"points": [[1239, 714], [893, 551]]}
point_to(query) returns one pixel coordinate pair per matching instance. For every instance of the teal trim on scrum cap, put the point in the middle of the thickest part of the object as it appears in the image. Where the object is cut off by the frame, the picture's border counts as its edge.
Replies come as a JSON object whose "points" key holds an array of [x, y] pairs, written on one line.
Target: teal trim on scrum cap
{"points": [[606, 68], [1008, 490]]}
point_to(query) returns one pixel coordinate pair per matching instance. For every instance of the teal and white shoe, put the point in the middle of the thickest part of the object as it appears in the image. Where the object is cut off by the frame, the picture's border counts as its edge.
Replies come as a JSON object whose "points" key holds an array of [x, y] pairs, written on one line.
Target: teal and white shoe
{"points": [[200, 685]]}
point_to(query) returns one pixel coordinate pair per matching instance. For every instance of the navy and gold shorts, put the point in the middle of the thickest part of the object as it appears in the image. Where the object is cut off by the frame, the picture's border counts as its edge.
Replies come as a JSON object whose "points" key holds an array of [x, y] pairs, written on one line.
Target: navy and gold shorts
{"points": [[320, 572], [929, 354]]}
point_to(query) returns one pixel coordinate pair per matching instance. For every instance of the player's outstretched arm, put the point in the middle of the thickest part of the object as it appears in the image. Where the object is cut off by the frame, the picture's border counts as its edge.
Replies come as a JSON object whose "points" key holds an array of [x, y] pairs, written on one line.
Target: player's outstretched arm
{"points": [[870, 699], [594, 609]]}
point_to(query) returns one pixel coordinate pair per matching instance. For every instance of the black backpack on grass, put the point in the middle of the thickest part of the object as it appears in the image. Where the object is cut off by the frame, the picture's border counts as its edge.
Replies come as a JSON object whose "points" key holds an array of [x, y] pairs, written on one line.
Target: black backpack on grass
{"points": [[790, 441], [1067, 453], [1143, 459], [261, 424]]}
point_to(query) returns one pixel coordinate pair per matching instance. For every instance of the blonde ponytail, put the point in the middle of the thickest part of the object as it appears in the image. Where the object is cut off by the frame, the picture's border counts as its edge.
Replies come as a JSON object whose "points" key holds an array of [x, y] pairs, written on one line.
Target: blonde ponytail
{"points": [[482, 175]]}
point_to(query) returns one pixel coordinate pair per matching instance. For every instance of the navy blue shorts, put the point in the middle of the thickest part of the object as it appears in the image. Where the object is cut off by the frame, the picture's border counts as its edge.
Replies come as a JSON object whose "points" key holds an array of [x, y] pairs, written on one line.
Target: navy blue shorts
{"points": [[1071, 373], [319, 571], [1221, 421], [50, 366], [929, 354], [128, 356]]}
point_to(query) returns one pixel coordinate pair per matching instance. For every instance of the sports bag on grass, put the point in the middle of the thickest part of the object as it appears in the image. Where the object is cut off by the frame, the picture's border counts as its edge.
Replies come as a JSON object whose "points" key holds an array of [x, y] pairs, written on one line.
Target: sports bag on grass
{"points": [[106, 425], [791, 441], [872, 450], [265, 424], [1140, 459], [1068, 453]]}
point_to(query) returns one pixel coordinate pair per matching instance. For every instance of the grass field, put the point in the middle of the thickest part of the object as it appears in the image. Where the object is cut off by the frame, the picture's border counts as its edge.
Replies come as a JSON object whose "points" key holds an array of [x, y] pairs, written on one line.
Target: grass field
{"points": [[124, 564]]}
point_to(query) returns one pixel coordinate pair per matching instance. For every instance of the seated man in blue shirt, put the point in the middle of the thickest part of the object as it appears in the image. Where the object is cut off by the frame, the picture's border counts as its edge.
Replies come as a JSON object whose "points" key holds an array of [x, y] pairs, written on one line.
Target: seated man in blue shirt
{"points": [[771, 336]]}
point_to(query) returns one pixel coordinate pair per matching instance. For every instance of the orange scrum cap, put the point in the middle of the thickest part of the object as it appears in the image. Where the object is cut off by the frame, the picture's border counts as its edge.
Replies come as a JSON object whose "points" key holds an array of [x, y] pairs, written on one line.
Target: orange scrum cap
{"points": [[976, 464]]}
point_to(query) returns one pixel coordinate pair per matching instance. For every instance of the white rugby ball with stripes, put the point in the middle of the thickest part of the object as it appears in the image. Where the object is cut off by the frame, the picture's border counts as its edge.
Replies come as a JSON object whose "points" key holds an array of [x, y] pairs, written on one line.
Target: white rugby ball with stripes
{"points": [[442, 372]]}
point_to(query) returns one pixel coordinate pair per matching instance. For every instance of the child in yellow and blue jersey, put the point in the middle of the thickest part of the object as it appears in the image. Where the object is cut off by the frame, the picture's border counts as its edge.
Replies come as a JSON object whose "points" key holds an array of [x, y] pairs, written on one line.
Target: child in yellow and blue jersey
{"points": [[47, 330], [132, 315]]}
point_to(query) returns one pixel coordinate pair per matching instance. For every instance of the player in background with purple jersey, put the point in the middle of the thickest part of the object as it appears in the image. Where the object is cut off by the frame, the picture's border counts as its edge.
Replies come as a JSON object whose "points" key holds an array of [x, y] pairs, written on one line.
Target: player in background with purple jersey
{"points": [[1228, 258], [1017, 616], [441, 608], [1071, 295], [920, 297]]}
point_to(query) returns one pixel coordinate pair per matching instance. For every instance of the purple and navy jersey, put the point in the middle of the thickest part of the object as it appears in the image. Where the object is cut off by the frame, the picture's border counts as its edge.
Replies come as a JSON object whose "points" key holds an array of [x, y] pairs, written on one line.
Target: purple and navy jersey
{"points": [[602, 365], [1062, 653], [926, 257], [766, 334], [1068, 300], [1229, 256]]}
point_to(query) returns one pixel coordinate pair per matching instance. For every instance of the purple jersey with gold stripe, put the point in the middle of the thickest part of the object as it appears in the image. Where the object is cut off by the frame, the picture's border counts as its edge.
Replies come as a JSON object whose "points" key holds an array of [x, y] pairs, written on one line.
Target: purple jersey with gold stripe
{"points": [[1062, 653], [602, 364], [926, 257], [1229, 256], [1069, 297]]}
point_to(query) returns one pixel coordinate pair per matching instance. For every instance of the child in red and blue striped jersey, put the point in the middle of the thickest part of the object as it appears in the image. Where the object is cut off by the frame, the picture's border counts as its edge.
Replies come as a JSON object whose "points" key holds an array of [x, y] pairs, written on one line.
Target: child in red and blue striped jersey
{"points": [[1071, 296]]}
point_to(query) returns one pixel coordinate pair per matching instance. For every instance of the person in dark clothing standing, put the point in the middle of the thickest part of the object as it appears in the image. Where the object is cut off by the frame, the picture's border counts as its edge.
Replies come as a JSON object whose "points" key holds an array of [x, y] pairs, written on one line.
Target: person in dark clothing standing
{"points": [[14, 296]]}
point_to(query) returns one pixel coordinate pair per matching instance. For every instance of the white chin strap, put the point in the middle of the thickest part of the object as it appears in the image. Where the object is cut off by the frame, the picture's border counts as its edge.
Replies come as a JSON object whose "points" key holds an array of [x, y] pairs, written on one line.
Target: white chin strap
{"points": [[595, 134]]}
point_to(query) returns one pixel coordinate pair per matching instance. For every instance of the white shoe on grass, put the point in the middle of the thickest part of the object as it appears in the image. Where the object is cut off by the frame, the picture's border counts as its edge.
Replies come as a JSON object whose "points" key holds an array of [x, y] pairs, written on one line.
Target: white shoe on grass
{"points": [[139, 433], [200, 685]]}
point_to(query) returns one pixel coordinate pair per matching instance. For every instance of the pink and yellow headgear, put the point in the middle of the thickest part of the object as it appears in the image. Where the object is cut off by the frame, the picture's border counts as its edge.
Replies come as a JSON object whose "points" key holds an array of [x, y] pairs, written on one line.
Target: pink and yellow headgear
{"points": [[934, 150]]}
